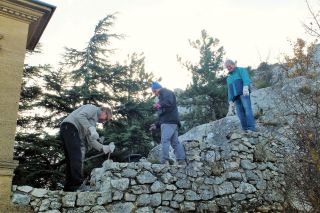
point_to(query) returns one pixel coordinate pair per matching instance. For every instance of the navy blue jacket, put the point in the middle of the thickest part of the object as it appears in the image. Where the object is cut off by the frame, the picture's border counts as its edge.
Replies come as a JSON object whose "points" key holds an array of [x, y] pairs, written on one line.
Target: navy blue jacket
{"points": [[168, 111]]}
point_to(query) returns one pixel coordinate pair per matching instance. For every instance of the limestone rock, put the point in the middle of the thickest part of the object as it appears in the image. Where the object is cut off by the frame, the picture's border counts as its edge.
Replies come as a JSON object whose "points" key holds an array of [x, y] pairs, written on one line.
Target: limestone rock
{"points": [[155, 199], [130, 197], [143, 200], [191, 195], [86, 198], [167, 195], [120, 184], [20, 199], [247, 164], [146, 177], [158, 187], [144, 210], [225, 188], [126, 207], [206, 194], [25, 189], [129, 173], [69, 200], [98, 209], [155, 154], [246, 188], [164, 209], [39, 192], [140, 189], [167, 178], [188, 206], [183, 184], [179, 198], [198, 133], [117, 195]]}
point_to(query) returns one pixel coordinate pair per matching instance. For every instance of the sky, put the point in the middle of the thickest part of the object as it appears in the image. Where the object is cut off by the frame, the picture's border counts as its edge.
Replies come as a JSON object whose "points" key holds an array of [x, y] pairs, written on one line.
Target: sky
{"points": [[251, 31]]}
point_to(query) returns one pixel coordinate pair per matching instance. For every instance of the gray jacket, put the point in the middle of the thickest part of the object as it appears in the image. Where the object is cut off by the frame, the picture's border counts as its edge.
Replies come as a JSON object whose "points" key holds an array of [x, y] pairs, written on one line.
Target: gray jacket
{"points": [[83, 118]]}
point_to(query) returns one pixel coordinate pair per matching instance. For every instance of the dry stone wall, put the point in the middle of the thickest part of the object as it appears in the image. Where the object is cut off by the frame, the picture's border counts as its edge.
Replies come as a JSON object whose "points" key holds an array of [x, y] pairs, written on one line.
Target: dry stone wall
{"points": [[243, 173]]}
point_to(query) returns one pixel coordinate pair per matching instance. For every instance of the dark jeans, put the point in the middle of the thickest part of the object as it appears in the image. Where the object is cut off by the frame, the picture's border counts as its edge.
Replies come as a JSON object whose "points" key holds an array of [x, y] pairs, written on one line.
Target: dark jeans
{"points": [[245, 113], [72, 150]]}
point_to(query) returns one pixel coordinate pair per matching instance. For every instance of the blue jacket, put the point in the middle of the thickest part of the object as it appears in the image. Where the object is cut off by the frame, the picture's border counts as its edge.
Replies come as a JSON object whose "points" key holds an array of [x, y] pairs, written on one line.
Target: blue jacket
{"points": [[235, 81]]}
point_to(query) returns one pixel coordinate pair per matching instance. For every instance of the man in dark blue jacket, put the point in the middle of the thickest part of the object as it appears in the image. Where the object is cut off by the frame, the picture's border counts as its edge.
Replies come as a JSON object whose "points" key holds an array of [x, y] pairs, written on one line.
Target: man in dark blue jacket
{"points": [[168, 122]]}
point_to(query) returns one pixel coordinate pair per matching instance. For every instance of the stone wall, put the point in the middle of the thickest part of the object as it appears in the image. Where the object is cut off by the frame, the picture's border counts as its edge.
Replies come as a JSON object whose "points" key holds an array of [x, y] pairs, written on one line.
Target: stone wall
{"points": [[243, 173]]}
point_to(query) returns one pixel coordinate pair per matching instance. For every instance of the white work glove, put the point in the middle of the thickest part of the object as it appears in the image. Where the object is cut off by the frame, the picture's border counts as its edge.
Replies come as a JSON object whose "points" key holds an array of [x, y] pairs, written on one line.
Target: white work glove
{"points": [[231, 109], [152, 127], [108, 148], [245, 90], [93, 133], [112, 147]]}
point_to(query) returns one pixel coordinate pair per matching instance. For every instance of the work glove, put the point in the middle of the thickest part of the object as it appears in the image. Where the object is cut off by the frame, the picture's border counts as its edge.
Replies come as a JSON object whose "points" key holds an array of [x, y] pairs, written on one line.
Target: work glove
{"points": [[112, 147], [108, 148], [245, 90], [152, 127], [231, 109], [101, 139], [93, 133], [157, 105]]}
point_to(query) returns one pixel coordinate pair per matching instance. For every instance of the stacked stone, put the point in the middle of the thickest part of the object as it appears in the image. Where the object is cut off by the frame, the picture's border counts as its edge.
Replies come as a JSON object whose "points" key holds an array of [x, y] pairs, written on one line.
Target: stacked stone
{"points": [[237, 175]]}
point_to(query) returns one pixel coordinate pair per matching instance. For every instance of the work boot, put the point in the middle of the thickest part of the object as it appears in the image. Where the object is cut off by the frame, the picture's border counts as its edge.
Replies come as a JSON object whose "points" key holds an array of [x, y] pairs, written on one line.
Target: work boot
{"points": [[182, 163], [84, 188], [166, 163]]}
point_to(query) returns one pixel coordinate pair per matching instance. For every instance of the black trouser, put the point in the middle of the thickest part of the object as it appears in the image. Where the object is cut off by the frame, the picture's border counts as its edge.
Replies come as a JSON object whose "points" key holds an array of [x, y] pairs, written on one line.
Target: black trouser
{"points": [[72, 149]]}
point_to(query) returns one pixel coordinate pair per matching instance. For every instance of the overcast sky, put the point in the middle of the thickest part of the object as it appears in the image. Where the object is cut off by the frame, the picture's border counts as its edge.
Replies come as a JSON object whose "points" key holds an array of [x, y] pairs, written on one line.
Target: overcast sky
{"points": [[251, 31]]}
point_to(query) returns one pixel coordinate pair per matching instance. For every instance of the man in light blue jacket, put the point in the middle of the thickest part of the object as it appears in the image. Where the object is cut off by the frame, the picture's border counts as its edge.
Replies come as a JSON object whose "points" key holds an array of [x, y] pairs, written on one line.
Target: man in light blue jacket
{"points": [[78, 133], [238, 82]]}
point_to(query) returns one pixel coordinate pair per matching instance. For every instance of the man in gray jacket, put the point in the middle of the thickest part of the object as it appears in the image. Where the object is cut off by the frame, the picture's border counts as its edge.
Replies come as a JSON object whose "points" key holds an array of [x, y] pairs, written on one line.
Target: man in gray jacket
{"points": [[78, 133]]}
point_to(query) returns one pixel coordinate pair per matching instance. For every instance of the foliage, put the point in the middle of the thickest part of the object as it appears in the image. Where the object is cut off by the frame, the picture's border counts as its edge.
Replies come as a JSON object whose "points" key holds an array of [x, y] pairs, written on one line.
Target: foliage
{"points": [[303, 171], [97, 81], [133, 110], [205, 97], [264, 71], [40, 160], [85, 77], [302, 62], [313, 27], [39, 154]]}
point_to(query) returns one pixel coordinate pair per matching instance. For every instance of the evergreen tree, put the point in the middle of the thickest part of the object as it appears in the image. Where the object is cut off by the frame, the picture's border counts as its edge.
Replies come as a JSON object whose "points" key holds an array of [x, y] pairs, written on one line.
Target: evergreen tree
{"points": [[39, 154], [86, 77], [133, 110], [206, 96]]}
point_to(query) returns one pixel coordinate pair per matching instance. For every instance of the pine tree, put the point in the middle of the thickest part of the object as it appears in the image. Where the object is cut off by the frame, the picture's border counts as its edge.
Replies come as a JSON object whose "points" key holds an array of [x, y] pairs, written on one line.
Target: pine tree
{"points": [[205, 96]]}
